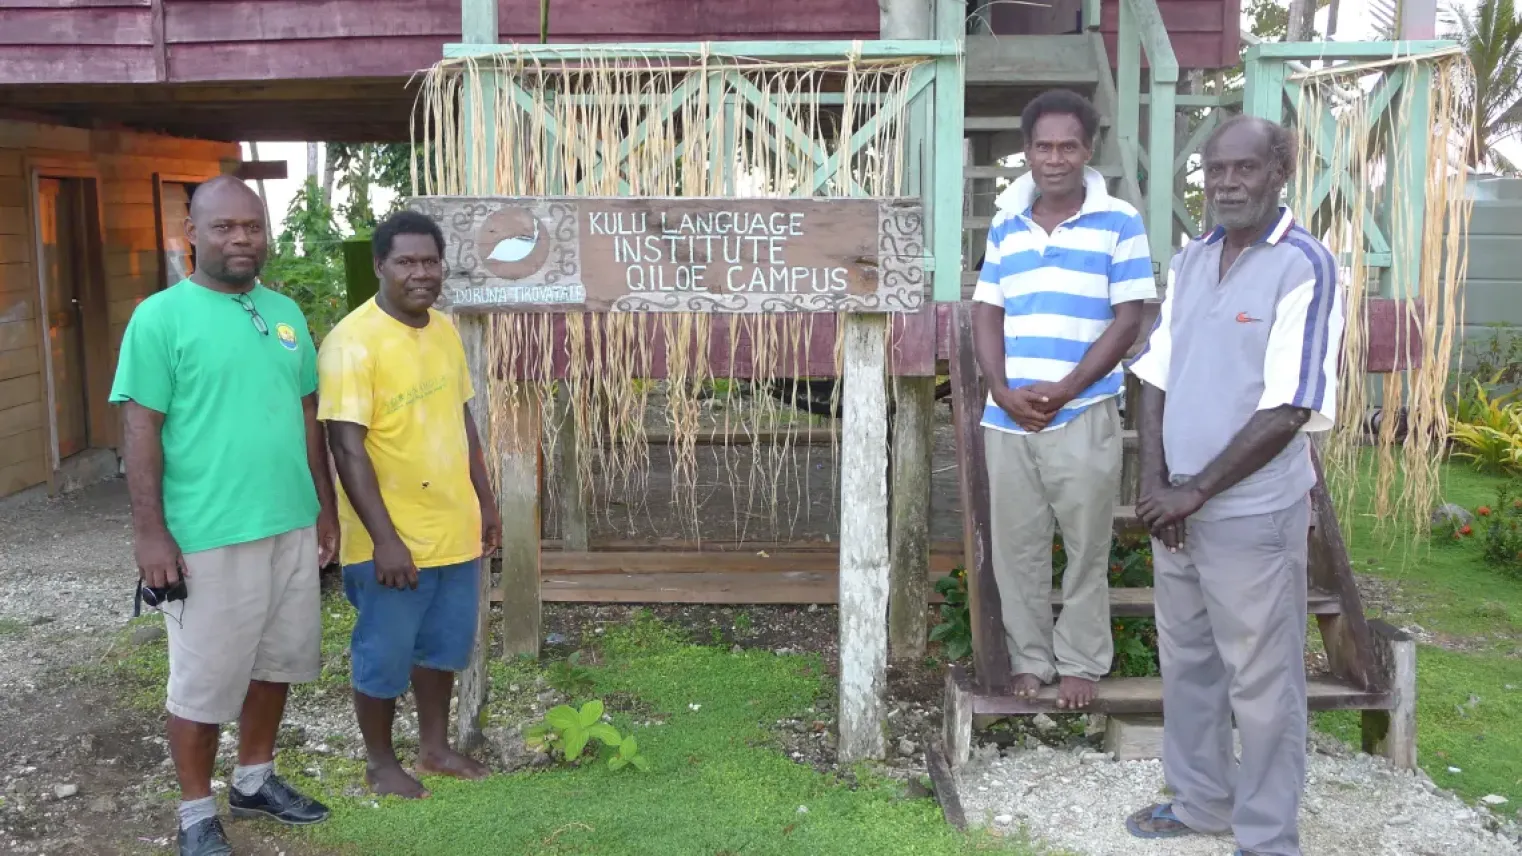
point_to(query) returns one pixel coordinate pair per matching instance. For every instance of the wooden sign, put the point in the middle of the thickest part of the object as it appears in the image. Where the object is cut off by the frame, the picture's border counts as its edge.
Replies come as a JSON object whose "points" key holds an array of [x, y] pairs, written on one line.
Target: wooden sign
{"points": [[697, 254]]}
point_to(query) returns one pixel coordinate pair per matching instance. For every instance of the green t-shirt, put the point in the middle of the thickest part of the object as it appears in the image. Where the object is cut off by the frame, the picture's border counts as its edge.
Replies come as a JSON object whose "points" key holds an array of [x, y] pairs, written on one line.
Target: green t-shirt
{"points": [[235, 454]]}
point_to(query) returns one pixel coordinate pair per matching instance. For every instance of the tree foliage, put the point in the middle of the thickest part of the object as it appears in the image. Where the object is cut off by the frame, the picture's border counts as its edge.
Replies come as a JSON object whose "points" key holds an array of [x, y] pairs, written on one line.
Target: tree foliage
{"points": [[306, 261]]}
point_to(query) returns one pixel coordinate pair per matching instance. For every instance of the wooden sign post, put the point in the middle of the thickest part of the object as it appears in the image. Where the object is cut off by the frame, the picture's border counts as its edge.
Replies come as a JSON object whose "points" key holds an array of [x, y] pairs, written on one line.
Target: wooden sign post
{"points": [[860, 256]]}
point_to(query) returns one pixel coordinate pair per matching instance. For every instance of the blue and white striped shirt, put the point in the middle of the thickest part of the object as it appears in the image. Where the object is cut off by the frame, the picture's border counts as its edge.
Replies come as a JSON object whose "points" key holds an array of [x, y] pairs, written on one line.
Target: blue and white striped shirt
{"points": [[1058, 291]]}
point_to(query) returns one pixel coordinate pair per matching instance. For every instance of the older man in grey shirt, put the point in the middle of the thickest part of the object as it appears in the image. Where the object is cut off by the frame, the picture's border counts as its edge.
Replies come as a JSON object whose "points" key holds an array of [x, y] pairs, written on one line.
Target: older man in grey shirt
{"points": [[1241, 366]]}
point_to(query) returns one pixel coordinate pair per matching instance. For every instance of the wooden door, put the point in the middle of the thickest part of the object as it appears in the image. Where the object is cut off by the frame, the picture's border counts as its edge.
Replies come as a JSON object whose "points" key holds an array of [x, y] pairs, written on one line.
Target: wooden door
{"points": [[61, 219]]}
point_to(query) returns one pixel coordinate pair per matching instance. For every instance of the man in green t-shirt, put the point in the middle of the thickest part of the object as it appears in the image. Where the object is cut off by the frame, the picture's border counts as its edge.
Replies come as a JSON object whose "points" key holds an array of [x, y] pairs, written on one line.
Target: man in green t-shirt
{"points": [[231, 494]]}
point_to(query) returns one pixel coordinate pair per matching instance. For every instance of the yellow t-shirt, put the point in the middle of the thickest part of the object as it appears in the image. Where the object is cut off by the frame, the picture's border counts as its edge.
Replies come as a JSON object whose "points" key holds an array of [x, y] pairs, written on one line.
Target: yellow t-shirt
{"points": [[408, 387]]}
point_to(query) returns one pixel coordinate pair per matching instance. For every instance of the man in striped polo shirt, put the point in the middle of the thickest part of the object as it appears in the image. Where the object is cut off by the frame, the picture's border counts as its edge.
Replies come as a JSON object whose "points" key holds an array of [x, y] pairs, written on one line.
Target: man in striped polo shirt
{"points": [[1059, 303]]}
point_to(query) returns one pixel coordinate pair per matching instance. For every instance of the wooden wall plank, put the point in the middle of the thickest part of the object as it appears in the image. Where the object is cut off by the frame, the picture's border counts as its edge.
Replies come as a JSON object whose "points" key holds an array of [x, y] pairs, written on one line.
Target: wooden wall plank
{"points": [[120, 311], [399, 55], [16, 276], [13, 220], [20, 476], [132, 235], [33, 135], [196, 153], [66, 63], [14, 248], [127, 193], [283, 20], [21, 447], [18, 391], [14, 420], [19, 362], [10, 164], [72, 4], [18, 334], [1180, 16], [17, 306], [98, 27]]}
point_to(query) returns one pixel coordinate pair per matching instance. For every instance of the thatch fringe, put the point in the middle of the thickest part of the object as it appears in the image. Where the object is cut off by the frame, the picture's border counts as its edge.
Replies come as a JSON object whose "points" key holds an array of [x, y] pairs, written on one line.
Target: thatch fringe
{"points": [[665, 125], [1372, 152]]}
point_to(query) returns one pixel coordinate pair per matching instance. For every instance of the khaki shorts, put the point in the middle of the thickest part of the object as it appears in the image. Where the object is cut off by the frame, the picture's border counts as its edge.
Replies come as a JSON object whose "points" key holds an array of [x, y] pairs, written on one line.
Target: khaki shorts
{"points": [[253, 613]]}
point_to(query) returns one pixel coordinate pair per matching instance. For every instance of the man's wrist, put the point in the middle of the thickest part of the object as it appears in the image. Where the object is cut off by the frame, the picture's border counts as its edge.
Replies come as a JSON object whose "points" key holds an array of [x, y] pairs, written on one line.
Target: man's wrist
{"points": [[150, 528], [1068, 388]]}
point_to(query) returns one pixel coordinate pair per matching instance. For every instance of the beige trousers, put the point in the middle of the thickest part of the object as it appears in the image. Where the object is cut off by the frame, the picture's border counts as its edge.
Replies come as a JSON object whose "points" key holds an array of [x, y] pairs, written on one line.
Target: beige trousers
{"points": [[1068, 476], [253, 612]]}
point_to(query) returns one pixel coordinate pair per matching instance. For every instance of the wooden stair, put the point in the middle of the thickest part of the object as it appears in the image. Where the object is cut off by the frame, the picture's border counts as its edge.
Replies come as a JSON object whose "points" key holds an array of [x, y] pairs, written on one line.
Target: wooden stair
{"points": [[1145, 695], [1003, 73], [1372, 665]]}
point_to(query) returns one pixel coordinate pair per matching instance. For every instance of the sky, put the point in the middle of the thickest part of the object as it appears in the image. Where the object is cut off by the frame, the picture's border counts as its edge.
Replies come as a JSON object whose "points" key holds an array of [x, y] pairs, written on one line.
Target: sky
{"points": [[1353, 24]]}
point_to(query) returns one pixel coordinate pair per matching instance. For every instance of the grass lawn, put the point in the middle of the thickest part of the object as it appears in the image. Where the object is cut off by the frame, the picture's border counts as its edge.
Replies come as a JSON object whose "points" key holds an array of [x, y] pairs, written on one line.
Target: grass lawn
{"points": [[719, 784], [1469, 681]]}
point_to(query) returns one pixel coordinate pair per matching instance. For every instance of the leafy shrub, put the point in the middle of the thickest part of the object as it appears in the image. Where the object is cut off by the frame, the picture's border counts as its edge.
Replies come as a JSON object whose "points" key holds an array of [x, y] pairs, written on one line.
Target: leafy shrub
{"points": [[955, 630], [1135, 638], [1488, 430], [1501, 531]]}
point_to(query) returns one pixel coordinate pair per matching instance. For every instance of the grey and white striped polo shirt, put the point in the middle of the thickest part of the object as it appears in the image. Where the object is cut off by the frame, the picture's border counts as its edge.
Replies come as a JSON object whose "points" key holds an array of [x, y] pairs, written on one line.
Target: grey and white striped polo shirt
{"points": [[1268, 334]]}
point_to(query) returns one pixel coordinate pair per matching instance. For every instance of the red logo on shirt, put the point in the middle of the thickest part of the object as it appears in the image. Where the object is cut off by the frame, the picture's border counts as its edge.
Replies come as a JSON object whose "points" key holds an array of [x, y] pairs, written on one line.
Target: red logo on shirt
{"points": [[1244, 318]]}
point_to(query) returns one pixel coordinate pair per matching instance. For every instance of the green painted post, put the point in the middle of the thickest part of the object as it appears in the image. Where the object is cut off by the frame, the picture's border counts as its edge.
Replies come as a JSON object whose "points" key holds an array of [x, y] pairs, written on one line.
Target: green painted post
{"points": [[1408, 198], [1128, 89], [1091, 15], [1265, 86], [945, 202], [1160, 133]]}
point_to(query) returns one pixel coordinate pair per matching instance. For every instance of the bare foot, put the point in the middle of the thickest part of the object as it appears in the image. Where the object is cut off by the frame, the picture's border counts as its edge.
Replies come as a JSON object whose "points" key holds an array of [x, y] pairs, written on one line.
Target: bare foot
{"points": [[450, 763], [1075, 693], [1027, 685], [389, 778]]}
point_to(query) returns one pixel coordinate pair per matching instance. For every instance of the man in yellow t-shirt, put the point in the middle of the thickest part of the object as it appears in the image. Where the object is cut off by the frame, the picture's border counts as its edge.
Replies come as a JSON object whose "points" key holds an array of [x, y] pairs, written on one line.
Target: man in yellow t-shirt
{"points": [[416, 511]]}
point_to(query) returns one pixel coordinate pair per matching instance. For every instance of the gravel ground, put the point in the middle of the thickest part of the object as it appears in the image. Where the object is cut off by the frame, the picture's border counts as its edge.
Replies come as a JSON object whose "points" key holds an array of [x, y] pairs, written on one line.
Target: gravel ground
{"points": [[1077, 801], [80, 773]]}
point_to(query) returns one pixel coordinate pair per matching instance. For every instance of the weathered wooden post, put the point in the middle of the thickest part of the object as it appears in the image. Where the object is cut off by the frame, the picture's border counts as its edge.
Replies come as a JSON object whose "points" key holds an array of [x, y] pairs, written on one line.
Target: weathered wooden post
{"points": [[478, 24], [913, 407]]}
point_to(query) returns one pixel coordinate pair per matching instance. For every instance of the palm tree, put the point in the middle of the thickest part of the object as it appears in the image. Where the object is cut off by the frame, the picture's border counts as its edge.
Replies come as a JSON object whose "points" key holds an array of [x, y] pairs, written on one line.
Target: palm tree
{"points": [[1492, 37]]}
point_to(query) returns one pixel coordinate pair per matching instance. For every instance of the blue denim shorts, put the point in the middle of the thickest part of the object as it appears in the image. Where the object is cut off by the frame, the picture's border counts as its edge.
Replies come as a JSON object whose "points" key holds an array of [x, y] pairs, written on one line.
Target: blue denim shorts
{"points": [[433, 626]]}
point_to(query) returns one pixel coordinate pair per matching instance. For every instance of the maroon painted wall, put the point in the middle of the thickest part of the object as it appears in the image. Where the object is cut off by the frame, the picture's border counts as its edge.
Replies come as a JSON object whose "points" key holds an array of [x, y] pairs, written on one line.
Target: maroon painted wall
{"points": [[143, 41], [1204, 33]]}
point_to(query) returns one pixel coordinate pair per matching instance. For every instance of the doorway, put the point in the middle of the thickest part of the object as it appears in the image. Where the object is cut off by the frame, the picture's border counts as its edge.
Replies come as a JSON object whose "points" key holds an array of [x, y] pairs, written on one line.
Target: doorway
{"points": [[65, 227]]}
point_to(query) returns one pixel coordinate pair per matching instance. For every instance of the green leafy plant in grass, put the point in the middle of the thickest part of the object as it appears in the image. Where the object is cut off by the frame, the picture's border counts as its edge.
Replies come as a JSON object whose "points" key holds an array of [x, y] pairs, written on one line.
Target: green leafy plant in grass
{"points": [[1501, 531], [569, 677], [566, 732]]}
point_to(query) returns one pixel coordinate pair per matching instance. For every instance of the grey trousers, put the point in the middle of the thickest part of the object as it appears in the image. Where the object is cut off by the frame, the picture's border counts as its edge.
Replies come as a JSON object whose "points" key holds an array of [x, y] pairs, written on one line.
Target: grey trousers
{"points": [[1231, 628], [1069, 476]]}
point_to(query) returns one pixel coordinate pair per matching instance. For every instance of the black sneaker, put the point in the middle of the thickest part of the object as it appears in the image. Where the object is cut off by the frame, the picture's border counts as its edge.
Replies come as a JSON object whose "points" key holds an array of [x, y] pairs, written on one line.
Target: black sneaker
{"points": [[205, 839], [278, 801]]}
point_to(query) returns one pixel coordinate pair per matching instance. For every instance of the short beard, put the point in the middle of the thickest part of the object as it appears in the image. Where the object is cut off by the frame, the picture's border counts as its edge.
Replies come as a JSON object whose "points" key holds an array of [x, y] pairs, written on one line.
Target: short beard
{"points": [[1246, 217], [224, 275]]}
